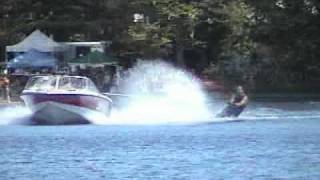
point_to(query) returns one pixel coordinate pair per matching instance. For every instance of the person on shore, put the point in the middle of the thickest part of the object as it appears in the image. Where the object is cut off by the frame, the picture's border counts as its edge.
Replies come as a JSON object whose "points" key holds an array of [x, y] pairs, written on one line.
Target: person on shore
{"points": [[7, 87], [236, 105], [5, 83]]}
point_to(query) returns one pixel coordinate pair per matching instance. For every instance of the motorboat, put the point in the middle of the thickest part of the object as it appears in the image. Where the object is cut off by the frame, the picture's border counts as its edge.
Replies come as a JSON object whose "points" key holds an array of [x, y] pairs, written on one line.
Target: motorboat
{"points": [[63, 99]]}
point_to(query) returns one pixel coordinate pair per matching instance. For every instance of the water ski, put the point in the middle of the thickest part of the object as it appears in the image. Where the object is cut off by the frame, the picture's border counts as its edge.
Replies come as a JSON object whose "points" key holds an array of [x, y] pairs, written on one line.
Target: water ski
{"points": [[231, 111]]}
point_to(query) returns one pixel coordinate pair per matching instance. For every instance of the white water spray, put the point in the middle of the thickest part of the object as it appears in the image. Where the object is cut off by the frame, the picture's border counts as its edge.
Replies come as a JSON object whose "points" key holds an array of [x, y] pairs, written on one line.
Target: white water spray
{"points": [[159, 93], [15, 115], [156, 93]]}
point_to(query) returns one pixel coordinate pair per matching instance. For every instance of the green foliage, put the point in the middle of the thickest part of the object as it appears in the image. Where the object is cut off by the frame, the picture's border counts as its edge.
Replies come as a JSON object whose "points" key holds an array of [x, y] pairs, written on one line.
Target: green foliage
{"points": [[172, 22], [239, 19], [64, 19], [233, 21], [289, 29], [264, 42]]}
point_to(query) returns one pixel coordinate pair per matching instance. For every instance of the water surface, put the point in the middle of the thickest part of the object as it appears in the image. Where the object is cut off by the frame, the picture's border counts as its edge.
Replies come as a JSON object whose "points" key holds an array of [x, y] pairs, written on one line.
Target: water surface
{"points": [[273, 140]]}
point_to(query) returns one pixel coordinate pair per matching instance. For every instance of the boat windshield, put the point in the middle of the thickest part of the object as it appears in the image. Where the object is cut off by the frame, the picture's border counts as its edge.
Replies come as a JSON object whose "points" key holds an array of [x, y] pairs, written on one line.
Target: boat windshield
{"points": [[76, 83], [67, 83], [41, 83]]}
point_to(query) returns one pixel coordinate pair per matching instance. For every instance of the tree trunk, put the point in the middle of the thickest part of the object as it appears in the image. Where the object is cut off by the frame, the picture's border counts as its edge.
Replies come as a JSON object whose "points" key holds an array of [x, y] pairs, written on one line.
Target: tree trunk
{"points": [[180, 56]]}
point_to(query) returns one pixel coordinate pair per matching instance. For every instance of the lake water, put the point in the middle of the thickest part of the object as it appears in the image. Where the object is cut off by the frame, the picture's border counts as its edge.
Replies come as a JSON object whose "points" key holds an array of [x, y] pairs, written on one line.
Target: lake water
{"points": [[271, 140]]}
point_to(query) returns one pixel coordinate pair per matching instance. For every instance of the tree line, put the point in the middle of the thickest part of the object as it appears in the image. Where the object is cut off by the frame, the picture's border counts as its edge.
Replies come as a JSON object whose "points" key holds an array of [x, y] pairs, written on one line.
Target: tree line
{"points": [[261, 43]]}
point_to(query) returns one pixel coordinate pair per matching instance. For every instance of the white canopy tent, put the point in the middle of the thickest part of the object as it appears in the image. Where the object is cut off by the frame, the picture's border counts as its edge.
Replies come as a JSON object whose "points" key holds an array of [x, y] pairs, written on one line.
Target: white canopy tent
{"points": [[37, 41]]}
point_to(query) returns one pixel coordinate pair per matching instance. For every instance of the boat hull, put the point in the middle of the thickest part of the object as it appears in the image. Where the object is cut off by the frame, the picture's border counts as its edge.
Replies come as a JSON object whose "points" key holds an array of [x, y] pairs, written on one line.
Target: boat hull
{"points": [[66, 109], [51, 113]]}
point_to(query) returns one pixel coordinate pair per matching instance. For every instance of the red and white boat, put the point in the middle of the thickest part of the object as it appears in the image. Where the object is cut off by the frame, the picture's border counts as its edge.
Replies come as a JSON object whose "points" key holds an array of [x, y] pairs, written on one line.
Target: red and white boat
{"points": [[61, 99]]}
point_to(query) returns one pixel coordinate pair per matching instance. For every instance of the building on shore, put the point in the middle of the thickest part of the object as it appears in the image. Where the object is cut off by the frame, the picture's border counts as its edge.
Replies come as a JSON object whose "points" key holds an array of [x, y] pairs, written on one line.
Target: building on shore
{"points": [[40, 54]]}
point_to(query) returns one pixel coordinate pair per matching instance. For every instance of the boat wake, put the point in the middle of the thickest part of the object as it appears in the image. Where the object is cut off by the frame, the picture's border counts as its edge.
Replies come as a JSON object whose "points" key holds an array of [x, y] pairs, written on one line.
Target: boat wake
{"points": [[20, 115], [266, 118], [280, 112]]}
